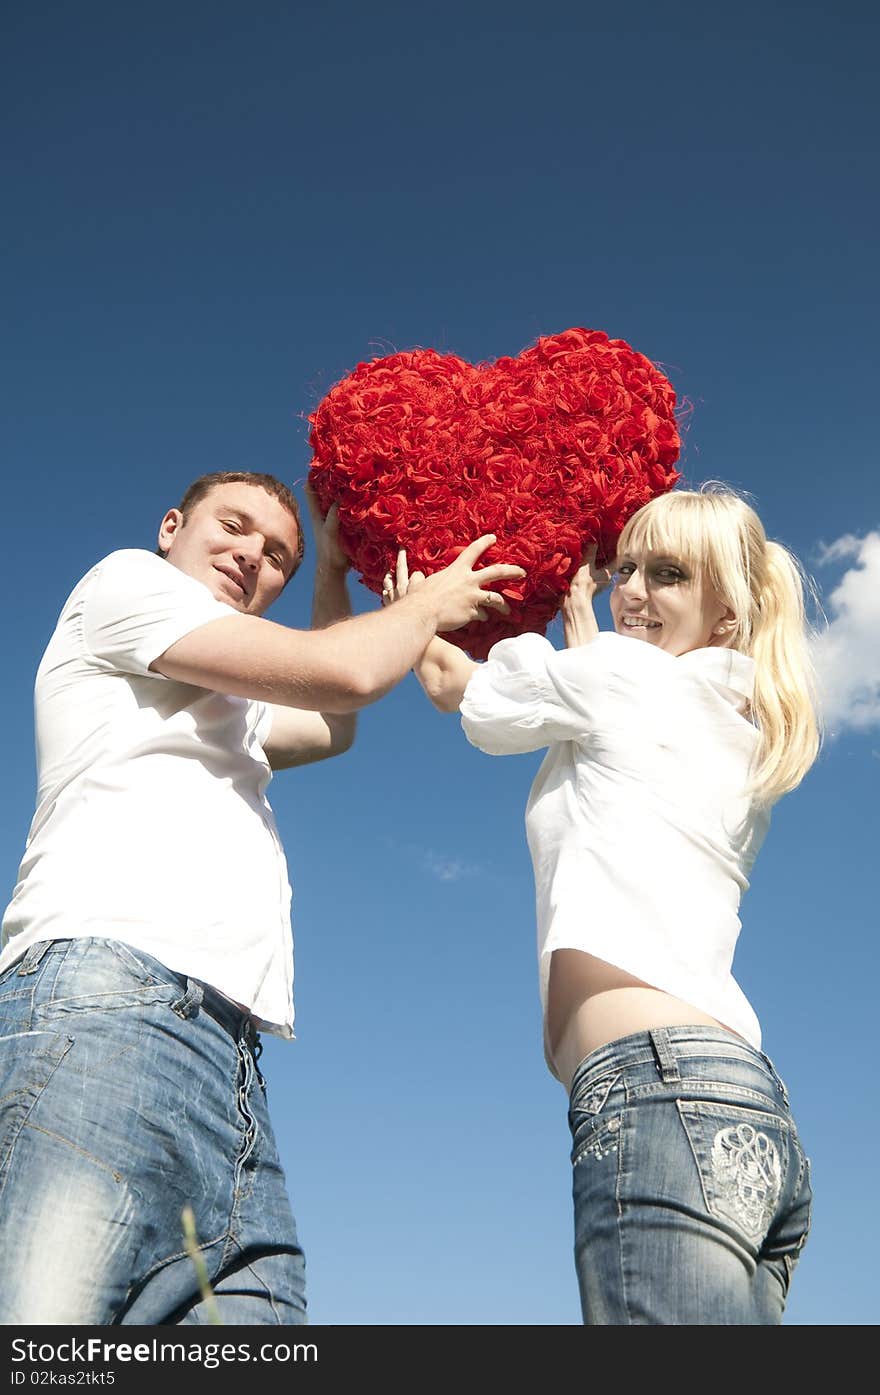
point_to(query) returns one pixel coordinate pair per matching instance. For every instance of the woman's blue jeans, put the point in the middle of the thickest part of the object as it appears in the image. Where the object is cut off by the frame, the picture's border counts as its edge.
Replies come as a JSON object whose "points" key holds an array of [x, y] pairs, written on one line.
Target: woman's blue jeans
{"points": [[691, 1189], [128, 1093]]}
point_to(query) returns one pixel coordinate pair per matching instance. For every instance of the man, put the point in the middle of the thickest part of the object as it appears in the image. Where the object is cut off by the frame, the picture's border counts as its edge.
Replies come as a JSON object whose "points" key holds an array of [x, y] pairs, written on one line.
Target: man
{"points": [[148, 937]]}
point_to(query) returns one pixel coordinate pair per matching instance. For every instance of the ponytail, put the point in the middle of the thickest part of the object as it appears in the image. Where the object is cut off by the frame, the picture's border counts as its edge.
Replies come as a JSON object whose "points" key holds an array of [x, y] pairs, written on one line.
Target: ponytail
{"points": [[784, 701]]}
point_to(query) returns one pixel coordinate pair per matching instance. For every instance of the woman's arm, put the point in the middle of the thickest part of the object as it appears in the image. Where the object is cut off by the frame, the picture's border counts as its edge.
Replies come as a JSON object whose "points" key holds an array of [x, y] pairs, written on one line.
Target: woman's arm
{"points": [[578, 620], [443, 669]]}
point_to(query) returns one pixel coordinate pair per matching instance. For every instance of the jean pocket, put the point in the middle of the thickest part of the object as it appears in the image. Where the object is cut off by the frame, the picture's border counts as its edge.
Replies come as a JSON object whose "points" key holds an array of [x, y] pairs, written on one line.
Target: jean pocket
{"points": [[596, 1138], [7, 973], [28, 1060], [742, 1158], [593, 1130], [591, 1097], [101, 975]]}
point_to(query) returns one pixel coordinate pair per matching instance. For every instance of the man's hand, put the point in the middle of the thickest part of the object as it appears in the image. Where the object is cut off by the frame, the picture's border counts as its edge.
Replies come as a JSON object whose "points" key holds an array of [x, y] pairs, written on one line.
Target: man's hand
{"points": [[326, 535], [458, 594]]}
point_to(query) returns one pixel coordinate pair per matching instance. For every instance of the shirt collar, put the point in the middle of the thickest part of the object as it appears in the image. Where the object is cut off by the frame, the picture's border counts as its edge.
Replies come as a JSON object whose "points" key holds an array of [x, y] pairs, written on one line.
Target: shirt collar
{"points": [[727, 667]]}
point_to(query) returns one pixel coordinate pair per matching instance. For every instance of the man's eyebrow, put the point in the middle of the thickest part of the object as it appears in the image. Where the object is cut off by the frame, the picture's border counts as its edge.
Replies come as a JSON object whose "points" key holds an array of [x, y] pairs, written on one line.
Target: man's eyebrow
{"points": [[245, 517], [239, 513]]}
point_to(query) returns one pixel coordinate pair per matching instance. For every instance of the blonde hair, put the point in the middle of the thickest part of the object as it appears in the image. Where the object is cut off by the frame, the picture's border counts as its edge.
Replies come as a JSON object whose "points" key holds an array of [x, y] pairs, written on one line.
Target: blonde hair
{"points": [[714, 532]]}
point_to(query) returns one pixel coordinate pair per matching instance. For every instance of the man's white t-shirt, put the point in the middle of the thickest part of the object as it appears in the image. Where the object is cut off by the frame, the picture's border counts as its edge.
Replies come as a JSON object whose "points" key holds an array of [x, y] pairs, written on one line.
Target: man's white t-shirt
{"points": [[152, 824]]}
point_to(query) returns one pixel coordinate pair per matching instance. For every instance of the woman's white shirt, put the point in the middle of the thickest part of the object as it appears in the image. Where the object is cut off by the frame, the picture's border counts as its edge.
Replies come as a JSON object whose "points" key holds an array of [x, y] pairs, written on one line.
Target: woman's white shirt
{"points": [[641, 829]]}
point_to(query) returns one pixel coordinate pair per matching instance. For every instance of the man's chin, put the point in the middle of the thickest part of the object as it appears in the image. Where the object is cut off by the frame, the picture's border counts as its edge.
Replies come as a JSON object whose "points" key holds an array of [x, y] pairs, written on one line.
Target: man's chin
{"points": [[225, 590]]}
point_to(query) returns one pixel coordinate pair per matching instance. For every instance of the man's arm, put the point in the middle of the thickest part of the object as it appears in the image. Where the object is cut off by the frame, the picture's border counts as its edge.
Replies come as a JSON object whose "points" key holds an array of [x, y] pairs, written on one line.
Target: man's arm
{"points": [[444, 670], [297, 737], [347, 665]]}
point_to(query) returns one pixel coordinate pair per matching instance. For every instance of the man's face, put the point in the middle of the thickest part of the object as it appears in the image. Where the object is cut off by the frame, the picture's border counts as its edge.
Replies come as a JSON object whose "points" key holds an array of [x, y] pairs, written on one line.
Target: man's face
{"points": [[238, 540]]}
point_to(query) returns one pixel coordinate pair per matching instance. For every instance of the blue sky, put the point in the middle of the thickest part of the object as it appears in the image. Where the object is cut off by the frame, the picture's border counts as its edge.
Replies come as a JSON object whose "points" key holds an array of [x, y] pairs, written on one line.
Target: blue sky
{"points": [[214, 211]]}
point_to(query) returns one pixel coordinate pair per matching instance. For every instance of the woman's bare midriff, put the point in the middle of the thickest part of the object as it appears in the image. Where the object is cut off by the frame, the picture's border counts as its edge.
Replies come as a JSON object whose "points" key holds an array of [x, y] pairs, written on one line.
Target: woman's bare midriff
{"points": [[590, 1002]]}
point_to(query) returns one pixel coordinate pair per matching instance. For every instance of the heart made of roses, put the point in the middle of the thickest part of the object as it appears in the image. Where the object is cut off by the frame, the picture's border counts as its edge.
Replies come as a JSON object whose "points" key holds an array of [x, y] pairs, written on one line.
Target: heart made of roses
{"points": [[551, 450]]}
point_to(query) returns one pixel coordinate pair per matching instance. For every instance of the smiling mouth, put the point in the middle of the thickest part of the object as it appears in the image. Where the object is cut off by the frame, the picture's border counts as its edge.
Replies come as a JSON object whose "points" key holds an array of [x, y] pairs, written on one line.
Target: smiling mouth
{"points": [[640, 622], [239, 586]]}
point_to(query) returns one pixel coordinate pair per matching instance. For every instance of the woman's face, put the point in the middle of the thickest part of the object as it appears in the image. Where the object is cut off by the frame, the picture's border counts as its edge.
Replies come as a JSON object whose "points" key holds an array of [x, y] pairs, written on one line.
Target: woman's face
{"points": [[658, 599]]}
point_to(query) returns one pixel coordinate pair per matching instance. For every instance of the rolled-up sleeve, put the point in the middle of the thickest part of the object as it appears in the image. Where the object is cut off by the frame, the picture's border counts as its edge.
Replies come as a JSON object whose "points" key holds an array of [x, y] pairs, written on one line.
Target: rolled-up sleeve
{"points": [[528, 694], [513, 704]]}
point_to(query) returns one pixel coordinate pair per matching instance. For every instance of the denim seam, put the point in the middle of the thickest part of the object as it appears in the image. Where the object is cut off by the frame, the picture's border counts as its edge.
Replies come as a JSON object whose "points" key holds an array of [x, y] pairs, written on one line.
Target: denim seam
{"points": [[244, 1080], [713, 1109], [803, 1161], [804, 1174], [6, 1161], [269, 1297], [620, 1228], [135, 1289], [712, 1051], [699, 1090], [83, 1152]]}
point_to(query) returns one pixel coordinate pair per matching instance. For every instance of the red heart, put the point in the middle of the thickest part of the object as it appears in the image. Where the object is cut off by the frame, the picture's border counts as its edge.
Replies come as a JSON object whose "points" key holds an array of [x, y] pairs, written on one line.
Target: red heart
{"points": [[550, 451]]}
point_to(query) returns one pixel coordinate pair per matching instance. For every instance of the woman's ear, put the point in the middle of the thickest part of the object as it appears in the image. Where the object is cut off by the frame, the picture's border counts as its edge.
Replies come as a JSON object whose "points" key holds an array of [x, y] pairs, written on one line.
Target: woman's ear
{"points": [[723, 629]]}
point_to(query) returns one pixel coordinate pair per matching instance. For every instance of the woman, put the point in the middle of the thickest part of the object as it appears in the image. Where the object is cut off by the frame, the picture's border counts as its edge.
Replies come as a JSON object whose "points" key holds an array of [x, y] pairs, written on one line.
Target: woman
{"points": [[668, 741]]}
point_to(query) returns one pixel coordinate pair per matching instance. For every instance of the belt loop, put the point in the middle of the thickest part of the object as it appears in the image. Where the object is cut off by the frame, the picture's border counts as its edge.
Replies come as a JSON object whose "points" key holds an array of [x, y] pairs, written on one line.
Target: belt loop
{"points": [[666, 1061], [189, 1004], [32, 956]]}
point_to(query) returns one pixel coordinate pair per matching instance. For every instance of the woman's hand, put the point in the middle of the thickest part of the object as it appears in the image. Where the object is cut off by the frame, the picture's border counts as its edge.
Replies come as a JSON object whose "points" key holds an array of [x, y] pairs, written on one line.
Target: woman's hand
{"points": [[394, 588], [579, 622], [588, 581]]}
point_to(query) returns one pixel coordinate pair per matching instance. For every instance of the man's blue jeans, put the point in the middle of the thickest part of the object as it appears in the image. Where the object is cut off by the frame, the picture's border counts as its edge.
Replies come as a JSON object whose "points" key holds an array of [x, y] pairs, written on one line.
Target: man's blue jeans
{"points": [[691, 1190], [128, 1093]]}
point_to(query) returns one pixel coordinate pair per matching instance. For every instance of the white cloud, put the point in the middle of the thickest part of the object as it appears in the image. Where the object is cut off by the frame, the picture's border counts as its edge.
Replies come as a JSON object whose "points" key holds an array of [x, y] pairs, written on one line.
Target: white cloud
{"points": [[847, 653], [847, 546], [449, 869], [439, 864]]}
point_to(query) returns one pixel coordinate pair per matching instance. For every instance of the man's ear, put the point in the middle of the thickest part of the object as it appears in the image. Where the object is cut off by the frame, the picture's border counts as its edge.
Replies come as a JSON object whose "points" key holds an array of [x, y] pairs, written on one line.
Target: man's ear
{"points": [[169, 527]]}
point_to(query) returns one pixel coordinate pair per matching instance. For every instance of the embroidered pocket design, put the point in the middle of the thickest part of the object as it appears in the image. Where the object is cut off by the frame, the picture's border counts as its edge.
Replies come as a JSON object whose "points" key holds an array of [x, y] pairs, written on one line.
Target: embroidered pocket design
{"points": [[748, 1176], [742, 1159]]}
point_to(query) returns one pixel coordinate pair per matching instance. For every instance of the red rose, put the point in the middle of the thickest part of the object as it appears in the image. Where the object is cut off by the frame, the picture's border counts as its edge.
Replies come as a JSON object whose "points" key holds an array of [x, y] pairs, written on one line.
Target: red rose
{"points": [[548, 450]]}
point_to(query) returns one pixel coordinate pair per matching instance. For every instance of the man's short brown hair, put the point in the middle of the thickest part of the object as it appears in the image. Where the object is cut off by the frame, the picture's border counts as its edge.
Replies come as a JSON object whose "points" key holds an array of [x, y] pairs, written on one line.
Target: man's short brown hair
{"points": [[205, 483]]}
